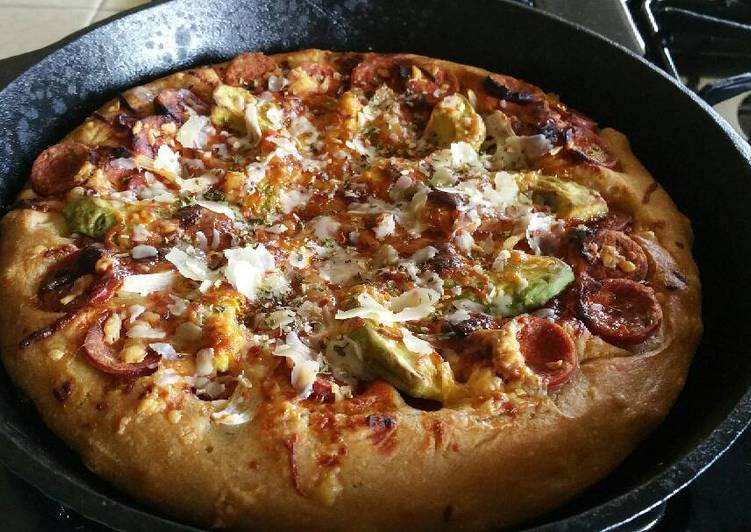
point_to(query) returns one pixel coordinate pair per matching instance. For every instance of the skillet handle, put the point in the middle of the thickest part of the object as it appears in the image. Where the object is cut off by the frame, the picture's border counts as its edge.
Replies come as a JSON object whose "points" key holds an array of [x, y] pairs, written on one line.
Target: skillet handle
{"points": [[719, 90]]}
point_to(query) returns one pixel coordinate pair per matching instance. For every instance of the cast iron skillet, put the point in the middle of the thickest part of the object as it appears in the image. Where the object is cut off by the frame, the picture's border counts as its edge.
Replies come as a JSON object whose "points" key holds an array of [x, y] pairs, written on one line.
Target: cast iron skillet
{"points": [[704, 166]]}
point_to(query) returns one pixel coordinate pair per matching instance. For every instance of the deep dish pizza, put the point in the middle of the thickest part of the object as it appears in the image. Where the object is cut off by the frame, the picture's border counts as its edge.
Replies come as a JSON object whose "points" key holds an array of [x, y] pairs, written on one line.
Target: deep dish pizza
{"points": [[343, 291]]}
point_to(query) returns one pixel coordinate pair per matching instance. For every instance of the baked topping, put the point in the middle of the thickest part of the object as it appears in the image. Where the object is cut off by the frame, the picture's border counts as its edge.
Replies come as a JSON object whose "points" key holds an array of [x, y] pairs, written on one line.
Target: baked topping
{"points": [[608, 254], [98, 348], [56, 168], [621, 311], [547, 349], [352, 225]]}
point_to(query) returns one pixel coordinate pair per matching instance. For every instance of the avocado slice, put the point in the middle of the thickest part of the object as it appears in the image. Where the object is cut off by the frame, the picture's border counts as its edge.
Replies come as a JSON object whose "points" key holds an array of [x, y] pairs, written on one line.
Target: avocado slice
{"points": [[90, 216], [229, 111], [367, 352], [454, 120], [528, 282], [238, 110], [566, 198]]}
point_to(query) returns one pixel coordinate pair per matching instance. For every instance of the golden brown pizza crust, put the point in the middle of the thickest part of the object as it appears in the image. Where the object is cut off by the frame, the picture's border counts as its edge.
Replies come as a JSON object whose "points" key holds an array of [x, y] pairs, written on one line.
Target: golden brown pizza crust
{"points": [[445, 469]]}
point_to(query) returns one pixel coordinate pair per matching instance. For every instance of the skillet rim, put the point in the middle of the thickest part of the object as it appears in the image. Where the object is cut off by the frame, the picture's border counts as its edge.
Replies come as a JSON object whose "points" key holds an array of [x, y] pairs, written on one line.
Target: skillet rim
{"points": [[609, 515]]}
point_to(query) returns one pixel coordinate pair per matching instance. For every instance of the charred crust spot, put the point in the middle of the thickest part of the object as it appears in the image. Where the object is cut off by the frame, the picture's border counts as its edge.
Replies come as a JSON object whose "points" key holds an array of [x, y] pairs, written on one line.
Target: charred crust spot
{"points": [[63, 391], [120, 151], [448, 513], [291, 444], [45, 332], [475, 322], [445, 199], [36, 204], [392, 171], [146, 391], [125, 104], [446, 259], [380, 422], [552, 131], [579, 238], [676, 280], [499, 90], [188, 216], [648, 192]]}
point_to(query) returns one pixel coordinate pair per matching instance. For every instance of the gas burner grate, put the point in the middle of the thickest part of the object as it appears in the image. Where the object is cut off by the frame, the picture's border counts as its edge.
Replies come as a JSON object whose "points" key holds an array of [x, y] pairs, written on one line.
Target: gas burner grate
{"points": [[698, 39]]}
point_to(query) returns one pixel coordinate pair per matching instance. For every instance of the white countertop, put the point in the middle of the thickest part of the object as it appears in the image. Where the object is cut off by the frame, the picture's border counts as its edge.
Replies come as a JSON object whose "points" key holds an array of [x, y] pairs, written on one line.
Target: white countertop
{"points": [[26, 25]]}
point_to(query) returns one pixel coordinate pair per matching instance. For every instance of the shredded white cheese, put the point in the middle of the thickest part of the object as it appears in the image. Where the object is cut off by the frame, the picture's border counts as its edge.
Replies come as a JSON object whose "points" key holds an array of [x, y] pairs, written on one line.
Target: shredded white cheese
{"points": [[191, 263], [415, 344], [195, 132], [246, 268], [144, 284], [143, 251], [412, 305], [305, 363]]}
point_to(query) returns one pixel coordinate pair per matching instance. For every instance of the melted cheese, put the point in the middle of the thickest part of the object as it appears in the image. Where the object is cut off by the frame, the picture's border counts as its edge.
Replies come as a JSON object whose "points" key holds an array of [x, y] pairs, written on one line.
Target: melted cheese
{"points": [[246, 268]]}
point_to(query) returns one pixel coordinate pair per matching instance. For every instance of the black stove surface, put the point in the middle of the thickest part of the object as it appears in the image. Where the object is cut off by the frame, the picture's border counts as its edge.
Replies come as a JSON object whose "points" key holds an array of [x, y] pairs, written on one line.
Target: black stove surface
{"points": [[720, 499]]}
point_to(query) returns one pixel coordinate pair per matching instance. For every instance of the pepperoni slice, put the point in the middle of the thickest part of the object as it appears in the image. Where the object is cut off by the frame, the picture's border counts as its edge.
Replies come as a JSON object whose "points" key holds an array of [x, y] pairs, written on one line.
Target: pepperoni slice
{"points": [[609, 254], [323, 390], [446, 260], [430, 83], [621, 311], [615, 220], [59, 281], [374, 71], [151, 132], [104, 358], [54, 169], [509, 89], [326, 80], [426, 83], [176, 102], [113, 162], [475, 322], [246, 70], [547, 348], [442, 211], [216, 228], [583, 145]]}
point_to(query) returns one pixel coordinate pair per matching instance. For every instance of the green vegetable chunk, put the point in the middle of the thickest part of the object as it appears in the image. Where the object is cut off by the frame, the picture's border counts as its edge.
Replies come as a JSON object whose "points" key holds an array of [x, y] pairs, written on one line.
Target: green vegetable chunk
{"points": [[238, 110], [229, 110], [454, 120], [566, 198], [528, 282], [90, 216], [368, 353]]}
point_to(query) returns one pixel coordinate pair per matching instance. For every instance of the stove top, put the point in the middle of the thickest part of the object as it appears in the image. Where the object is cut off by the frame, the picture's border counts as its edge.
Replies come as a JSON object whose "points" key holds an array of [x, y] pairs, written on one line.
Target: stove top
{"points": [[706, 44]]}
